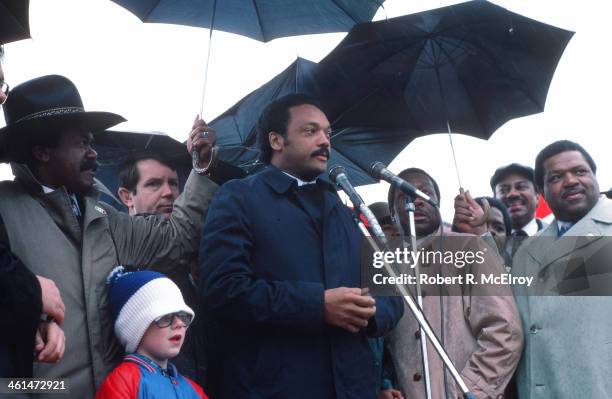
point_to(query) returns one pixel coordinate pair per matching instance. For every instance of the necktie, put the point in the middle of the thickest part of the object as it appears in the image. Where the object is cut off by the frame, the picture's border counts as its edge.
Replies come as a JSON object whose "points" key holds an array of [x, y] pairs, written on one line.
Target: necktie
{"points": [[517, 239], [75, 207], [563, 229]]}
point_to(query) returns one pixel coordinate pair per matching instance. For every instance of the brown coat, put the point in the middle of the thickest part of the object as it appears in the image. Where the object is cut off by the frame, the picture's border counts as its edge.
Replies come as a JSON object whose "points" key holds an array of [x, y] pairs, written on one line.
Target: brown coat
{"points": [[481, 326]]}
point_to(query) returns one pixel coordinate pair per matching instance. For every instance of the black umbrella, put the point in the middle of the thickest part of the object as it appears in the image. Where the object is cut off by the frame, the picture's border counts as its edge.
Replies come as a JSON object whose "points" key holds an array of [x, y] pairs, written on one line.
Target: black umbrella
{"points": [[466, 68], [14, 21], [261, 20], [353, 148], [473, 65]]}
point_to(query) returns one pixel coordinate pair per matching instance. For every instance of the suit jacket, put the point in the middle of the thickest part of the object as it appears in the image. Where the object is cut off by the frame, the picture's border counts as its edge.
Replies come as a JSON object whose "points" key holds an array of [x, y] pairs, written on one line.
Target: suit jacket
{"points": [[263, 272], [568, 335]]}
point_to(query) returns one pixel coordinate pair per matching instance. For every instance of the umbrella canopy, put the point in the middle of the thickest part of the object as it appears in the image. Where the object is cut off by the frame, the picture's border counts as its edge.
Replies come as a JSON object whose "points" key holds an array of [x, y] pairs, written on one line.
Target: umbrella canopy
{"points": [[14, 20], [261, 20], [353, 148], [474, 65]]}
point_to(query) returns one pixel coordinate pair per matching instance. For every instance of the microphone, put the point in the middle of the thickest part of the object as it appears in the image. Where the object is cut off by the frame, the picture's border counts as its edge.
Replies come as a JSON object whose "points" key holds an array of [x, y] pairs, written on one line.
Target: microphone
{"points": [[379, 171], [337, 174]]}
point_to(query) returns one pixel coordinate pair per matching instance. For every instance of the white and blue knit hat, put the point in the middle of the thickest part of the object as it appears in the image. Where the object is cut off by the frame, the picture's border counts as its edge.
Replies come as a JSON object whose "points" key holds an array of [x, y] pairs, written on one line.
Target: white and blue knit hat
{"points": [[137, 299]]}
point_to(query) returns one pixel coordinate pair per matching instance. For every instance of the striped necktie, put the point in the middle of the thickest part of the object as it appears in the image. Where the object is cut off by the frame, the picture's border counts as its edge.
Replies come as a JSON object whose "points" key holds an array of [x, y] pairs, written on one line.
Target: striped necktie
{"points": [[75, 207]]}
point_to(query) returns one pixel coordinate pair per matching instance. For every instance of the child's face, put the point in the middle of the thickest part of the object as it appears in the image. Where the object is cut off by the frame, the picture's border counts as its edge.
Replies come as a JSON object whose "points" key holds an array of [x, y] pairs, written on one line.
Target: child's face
{"points": [[163, 343]]}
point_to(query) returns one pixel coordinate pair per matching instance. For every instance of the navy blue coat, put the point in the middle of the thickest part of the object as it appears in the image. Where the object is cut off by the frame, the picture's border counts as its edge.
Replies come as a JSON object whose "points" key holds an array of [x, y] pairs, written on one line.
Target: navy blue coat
{"points": [[263, 273]]}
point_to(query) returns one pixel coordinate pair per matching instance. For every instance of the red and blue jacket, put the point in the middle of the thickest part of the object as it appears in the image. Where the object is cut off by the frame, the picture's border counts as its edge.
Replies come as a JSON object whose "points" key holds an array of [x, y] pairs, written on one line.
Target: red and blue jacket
{"points": [[138, 377]]}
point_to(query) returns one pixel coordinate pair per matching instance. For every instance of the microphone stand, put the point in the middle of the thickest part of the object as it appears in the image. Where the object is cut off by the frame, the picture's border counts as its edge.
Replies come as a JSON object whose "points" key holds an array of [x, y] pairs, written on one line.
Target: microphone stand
{"points": [[417, 271], [417, 312]]}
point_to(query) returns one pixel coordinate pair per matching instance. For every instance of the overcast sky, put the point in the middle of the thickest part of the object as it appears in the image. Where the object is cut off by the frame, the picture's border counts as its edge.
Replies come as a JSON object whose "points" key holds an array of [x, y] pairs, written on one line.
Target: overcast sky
{"points": [[152, 74]]}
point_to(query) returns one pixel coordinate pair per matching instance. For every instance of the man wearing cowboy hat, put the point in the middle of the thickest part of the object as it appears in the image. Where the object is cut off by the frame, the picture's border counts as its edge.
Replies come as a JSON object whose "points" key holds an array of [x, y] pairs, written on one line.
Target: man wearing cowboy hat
{"points": [[59, 229], [25, 297]]}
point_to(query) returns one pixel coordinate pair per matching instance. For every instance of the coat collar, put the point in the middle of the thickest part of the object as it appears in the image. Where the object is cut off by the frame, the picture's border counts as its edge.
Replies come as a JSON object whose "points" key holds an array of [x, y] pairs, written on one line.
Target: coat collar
{"points": [[546, 248], [58, 205], [281, 183], [150, 365]]}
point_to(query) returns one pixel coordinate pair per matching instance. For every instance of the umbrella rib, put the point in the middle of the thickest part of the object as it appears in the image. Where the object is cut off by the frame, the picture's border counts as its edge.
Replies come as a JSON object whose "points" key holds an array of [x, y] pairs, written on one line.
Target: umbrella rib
{"points": [[520, 87], [418, 42], [451, 61], [261, 27], [355, 20], [237, 128], [361, 101], [145, 17], [16, 21]]}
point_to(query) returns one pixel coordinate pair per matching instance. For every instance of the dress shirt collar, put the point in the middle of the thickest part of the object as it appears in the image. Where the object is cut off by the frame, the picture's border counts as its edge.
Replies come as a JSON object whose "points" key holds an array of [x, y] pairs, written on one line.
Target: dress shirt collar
{"points": [[300, 182], [530, 228]]}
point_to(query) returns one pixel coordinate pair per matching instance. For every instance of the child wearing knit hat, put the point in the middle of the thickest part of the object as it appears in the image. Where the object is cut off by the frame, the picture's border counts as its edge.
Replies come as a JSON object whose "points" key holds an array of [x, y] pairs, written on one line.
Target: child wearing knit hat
{"points": [[151, 319]]}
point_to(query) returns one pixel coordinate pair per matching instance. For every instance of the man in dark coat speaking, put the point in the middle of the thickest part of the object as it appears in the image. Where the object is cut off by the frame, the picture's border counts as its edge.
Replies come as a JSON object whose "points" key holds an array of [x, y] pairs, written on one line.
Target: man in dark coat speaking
{"points": [[281, 272]]}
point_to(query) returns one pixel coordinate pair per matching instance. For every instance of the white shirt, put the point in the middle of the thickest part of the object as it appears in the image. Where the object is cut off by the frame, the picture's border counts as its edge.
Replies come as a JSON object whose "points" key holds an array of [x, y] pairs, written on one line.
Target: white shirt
{"points": [[530, 228], [300, 182]]}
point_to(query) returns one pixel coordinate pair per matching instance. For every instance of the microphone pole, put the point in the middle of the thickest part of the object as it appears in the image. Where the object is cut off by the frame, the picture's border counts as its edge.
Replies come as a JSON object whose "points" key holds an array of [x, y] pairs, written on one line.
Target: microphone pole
{"points": [[379, 171], [409, 204], [337, 174], [414, 308]]}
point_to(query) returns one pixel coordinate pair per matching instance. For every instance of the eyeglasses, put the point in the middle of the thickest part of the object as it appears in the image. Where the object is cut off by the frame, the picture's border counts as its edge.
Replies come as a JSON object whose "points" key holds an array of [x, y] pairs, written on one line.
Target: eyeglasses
{"points": [[167, 319]]}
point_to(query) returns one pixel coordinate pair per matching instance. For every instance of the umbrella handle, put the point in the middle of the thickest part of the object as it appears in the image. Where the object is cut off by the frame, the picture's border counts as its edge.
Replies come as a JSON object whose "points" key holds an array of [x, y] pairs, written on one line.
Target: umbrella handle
{"points": [[196, 161], [485, 208]]}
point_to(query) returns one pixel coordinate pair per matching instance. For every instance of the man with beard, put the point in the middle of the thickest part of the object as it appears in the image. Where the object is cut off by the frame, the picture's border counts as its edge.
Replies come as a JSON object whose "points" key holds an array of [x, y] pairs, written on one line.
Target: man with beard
{"points": [[567, 311], [59, 230], [479, 326], [280, 273]]}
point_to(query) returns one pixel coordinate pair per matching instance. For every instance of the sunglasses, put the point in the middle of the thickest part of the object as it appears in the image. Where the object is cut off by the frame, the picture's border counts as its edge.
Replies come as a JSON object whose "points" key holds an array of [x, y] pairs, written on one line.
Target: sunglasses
{"points": [[167, 319]]}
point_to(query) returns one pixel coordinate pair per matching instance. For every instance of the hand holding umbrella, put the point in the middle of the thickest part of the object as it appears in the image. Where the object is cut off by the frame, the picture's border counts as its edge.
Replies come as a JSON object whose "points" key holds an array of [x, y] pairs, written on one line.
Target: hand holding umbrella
{"points": [[201, 144]]}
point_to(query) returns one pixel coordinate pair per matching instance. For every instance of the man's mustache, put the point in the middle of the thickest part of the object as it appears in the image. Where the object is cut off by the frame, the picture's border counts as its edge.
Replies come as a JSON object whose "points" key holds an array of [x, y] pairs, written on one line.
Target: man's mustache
{"points": [[321, 151], [89, 165]]}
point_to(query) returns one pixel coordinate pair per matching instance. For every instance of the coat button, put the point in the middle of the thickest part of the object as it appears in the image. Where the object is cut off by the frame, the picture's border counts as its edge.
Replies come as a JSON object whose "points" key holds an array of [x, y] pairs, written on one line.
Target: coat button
{"points": [[417, 334], [417, 376], [533, 329]]}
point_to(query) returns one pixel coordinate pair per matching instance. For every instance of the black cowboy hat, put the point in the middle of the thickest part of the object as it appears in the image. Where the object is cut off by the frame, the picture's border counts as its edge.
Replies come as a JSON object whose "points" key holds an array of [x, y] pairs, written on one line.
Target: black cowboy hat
{"points": [[44, 106]]}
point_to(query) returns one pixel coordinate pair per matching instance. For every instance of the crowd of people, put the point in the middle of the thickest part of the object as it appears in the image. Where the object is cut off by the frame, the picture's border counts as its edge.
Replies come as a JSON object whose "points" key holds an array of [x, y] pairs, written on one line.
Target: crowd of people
{"points": [[253, 289]]}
